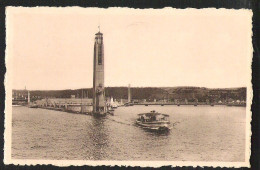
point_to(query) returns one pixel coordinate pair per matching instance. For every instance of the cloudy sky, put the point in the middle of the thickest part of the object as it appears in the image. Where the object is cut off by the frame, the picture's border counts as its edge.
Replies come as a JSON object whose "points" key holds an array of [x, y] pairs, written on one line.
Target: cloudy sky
{"points": [[52, 48]]}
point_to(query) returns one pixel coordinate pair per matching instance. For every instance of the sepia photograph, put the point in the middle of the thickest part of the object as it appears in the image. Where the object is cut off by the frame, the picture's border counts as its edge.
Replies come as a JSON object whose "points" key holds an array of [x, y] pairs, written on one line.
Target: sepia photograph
{"points": [[124, 86]]}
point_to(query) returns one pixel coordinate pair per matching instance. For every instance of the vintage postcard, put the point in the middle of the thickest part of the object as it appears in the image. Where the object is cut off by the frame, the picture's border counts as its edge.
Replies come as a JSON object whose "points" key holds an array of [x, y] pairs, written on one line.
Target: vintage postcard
{"points": [[122, 86]]}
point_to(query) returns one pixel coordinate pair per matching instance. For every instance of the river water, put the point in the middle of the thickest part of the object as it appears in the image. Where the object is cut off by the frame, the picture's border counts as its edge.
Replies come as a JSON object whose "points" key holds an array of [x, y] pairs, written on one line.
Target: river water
{"points": [[201, 133]]}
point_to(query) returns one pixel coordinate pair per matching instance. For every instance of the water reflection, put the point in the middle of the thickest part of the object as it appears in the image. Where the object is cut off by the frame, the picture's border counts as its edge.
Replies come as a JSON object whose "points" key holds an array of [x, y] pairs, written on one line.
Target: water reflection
{"points": [[157, 133], [99, 138]]}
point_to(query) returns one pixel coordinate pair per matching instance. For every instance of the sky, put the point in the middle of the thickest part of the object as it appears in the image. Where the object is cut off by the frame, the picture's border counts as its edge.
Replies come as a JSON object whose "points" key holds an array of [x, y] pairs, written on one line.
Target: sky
{"points": [[52, 48]]}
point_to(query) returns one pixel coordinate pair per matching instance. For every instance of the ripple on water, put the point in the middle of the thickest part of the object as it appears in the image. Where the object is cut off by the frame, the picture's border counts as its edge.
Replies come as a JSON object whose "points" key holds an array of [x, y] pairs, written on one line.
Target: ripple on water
{"points": [[199, 134]]}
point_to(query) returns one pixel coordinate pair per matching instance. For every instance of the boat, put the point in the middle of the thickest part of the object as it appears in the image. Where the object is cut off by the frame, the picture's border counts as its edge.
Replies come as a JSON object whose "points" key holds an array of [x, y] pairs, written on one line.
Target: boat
{"points": [[154, 121], [111, 109], [32, 105], [111, 112], [16, 105], [113, 104], [237, 104], [129, 104]]}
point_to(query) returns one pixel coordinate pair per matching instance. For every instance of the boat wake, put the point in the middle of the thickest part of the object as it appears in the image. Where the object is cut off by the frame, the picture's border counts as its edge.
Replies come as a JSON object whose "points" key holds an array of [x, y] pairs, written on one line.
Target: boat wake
{"points": [[120, 122], [173, 125]]}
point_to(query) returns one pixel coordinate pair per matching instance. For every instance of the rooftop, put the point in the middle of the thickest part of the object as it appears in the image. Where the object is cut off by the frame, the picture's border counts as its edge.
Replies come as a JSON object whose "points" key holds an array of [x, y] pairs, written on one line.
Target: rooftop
{"points": [[99, 33]]}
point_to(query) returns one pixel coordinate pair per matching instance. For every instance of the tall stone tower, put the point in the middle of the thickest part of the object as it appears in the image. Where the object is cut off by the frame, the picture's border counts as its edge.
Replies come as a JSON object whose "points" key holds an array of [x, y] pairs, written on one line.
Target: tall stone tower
{"points": [[99, 104]]}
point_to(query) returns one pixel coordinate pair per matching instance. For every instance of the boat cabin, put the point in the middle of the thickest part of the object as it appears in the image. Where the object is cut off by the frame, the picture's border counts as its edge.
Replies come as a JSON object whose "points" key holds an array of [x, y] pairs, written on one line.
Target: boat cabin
{"points": [[152, 117]]}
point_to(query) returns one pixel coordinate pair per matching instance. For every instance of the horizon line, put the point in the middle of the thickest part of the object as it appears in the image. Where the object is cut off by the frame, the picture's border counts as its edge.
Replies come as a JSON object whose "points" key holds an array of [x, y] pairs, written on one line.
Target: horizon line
{"points": [[138, 87]]}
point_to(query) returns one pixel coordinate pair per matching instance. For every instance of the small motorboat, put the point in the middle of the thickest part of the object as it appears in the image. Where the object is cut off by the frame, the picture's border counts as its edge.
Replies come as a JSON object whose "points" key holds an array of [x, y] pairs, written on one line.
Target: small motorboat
{"points": [[16, 105], [111, 109], [154, 121], [32, 105], [111, 112]]}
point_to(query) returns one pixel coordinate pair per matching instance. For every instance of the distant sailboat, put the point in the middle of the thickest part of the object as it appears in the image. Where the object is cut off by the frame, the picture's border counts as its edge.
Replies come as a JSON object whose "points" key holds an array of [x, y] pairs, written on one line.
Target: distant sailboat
{"points": [[110, 107], [121, 102], [113, 104]]}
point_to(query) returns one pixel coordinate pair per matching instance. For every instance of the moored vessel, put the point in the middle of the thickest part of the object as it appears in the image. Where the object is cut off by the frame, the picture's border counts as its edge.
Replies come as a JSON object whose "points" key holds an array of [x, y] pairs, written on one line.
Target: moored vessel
{"points": [[111, 112]]}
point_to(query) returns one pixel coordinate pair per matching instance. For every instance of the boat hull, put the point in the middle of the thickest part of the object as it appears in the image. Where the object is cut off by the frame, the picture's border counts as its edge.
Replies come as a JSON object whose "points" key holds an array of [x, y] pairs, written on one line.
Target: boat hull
{"points": [[14, 105], [33, 106], [111, 112], [157, 126]]}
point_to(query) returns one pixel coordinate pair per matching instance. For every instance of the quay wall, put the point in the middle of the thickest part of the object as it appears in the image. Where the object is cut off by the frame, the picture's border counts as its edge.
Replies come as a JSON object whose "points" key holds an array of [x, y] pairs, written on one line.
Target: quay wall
{"points": [[58, 102], [172, 103], [80, 108], [66, 104]]}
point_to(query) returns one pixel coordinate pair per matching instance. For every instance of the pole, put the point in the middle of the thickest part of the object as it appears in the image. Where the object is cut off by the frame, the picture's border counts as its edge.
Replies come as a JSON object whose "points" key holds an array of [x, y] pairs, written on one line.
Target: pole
{"points": [[81, 100], [28, 97], [129, 94]]}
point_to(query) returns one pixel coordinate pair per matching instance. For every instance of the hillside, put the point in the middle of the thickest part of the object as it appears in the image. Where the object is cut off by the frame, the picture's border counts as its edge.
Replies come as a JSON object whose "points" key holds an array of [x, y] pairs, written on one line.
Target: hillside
{"points": [[149, 93]]}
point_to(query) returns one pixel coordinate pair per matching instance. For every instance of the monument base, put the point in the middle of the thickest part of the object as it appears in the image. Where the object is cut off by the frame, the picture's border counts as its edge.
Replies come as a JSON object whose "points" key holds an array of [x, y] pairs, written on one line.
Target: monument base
{"points": [[99, 114]]}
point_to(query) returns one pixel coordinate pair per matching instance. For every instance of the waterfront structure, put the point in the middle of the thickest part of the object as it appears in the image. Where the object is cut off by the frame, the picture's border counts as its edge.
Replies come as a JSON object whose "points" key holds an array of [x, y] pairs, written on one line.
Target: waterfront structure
{"points": [[29, 97], [75, 105], [99, 104], [129, 94]]}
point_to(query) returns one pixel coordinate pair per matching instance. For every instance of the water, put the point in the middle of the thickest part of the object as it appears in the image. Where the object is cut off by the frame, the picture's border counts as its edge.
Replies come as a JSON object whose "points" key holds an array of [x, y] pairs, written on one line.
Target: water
{"points": [[201, 133]]}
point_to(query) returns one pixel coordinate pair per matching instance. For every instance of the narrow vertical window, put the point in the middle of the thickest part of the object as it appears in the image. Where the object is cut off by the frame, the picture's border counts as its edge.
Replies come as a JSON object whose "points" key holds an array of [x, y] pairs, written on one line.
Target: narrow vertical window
{"points": [[99, 54]]}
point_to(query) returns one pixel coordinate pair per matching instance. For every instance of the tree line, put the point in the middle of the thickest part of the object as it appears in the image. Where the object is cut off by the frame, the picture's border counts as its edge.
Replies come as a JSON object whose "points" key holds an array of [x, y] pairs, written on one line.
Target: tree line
{"points": [[200, 94]]}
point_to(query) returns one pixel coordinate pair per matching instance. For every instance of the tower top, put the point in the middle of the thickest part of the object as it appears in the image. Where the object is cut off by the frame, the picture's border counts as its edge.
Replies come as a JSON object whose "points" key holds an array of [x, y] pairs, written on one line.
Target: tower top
{"points": [[99, 33]]}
